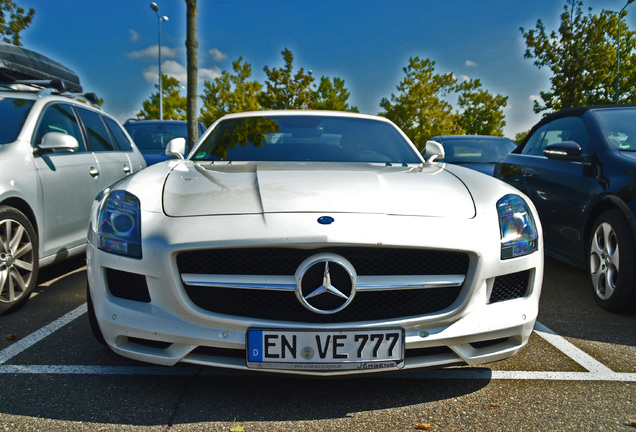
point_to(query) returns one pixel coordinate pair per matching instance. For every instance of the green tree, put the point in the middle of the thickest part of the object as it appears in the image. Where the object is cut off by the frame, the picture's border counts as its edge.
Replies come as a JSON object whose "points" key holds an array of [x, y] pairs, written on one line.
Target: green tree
{"points": [[520, 136], [419, 108], [230, 93], [331, 95], [582, 58], [284, 89], [13, 20], [481, 113], [174, 105]]}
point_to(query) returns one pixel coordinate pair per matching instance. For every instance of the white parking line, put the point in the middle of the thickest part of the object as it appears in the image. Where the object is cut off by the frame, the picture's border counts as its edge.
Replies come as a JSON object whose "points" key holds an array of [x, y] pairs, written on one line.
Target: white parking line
{"points": [[597, 371], [38, 335], [570, 350]]}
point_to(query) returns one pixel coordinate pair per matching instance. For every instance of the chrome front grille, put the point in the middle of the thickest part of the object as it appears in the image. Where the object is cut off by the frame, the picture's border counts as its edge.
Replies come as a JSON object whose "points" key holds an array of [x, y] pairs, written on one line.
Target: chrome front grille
{"points": [[247, 264]]}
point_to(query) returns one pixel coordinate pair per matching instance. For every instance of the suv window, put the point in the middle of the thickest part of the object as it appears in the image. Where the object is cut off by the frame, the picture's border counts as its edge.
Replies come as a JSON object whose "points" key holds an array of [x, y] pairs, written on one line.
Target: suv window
{"points": [[96, 132], [563, 129], [59, 118], [13, 113], [120, 138]]}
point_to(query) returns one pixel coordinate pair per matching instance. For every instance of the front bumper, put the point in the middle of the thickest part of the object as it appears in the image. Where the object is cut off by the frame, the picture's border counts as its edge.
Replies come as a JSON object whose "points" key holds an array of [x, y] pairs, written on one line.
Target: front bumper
{"points": [[168, 328]]}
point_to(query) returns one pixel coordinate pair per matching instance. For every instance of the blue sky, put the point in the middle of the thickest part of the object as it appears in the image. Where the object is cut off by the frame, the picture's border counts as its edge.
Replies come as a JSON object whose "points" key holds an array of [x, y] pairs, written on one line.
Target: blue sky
{"points": [[112, 44]]}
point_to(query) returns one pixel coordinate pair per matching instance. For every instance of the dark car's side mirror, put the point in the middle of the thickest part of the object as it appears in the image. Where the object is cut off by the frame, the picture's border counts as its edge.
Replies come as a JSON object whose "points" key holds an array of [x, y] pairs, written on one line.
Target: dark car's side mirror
{"points": [[565, 151]]}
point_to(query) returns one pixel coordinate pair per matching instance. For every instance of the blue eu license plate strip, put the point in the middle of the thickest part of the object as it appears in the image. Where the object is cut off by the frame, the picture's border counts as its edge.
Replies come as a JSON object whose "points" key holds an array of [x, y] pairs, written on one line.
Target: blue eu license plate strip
{"points": [[325, 350]]}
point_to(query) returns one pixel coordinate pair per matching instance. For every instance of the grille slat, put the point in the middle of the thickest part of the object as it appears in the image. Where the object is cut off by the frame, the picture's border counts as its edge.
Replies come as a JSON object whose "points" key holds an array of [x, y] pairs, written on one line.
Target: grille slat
{"points": [[285, 306]]}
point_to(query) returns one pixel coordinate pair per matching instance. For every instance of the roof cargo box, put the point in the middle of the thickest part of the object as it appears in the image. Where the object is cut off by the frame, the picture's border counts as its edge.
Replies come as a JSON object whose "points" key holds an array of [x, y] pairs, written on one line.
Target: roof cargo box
{"points": [[20, 65]]}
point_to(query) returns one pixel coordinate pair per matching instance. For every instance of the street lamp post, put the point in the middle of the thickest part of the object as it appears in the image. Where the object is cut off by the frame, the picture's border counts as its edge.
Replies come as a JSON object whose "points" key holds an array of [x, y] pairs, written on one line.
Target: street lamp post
{"points": [[155, 8], [618, 51]]}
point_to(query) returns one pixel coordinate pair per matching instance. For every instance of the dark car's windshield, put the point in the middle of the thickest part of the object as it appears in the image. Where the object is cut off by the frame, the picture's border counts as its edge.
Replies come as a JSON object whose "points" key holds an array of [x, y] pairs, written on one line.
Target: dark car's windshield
{"points": [[155, 136], [13, 113], [619, 125], [306, 138], [468, 150]]}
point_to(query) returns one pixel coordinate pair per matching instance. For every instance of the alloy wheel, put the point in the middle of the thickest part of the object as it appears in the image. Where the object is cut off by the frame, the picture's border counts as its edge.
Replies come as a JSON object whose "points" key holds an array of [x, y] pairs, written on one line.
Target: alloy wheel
{"points": [[16, 261], [604, 261]]}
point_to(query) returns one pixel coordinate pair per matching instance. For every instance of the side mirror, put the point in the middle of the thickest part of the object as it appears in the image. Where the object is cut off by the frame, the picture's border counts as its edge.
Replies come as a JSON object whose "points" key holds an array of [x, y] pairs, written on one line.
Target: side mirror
{"points": [[565, 151], [60, 142], [176, 148], [433, 151]]}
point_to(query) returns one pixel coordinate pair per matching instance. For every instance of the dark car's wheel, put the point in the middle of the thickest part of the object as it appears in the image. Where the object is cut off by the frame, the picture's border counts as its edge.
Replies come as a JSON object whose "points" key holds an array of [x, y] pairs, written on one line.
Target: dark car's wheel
{"points": [[18, 259], [612, 262], [92, 319]]}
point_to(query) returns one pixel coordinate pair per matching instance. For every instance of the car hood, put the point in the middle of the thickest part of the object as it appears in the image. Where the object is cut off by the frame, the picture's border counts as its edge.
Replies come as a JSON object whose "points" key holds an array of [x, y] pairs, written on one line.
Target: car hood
{"points": [[192, 189]]}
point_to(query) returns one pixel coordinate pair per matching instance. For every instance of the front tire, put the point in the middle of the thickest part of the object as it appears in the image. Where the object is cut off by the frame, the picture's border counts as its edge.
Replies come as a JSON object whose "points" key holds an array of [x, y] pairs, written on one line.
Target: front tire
{"points": [[612, 263], [92, 318], [18, 259]]}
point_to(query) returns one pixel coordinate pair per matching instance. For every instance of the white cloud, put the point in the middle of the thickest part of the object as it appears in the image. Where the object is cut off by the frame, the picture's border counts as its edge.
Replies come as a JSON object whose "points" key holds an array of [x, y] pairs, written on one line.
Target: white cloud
{"points": [[153, 51], [217, 54], [464, 78], [470, 63], [177, 70], [209, 74], [535, 98], [134, 36]]}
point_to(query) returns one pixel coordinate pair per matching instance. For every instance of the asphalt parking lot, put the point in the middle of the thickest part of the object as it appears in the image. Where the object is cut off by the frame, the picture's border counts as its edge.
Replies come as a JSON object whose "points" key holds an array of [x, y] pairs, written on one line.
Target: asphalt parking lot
{"points": [[578, 373]]}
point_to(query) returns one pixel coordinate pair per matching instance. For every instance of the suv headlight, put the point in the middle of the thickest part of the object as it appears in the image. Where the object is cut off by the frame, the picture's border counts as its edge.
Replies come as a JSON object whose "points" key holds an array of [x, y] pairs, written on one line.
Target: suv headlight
{"points": [[119, 224], [518, 231]]}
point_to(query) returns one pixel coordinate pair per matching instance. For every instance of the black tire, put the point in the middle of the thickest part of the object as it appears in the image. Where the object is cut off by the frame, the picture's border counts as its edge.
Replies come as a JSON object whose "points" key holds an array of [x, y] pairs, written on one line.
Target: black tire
{"points": [[92, 319], [18, 259], [612, 263]]}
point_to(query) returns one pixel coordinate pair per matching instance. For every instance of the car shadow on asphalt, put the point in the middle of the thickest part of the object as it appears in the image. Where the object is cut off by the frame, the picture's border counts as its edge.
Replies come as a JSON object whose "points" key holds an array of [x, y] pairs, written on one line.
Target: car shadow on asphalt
{"points": [[157, 400]]}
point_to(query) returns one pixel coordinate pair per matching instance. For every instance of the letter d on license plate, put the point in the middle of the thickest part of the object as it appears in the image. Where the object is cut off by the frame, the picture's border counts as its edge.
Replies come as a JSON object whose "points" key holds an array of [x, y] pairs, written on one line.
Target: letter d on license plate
{"points": [[325, 350]]}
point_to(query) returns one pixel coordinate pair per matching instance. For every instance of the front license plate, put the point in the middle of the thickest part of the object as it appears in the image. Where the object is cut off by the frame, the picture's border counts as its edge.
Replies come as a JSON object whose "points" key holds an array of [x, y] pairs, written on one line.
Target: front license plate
{"points": [[325, 350]]}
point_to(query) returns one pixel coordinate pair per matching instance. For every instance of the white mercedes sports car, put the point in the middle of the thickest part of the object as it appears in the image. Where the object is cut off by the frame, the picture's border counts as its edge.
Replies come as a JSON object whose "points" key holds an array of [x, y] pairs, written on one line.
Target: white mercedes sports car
{"points": [[312, 242]]}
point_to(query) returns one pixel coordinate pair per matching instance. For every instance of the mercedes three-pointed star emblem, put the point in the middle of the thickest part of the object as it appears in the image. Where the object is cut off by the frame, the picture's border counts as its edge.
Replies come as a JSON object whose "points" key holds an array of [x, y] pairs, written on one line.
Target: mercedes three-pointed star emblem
{"points": [[326, 283]]}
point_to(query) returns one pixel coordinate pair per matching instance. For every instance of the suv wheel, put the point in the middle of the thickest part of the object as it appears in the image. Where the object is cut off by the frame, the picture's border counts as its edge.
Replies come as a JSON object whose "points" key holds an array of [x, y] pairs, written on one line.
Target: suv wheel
{"points": [[18, 259], [612, 262]]}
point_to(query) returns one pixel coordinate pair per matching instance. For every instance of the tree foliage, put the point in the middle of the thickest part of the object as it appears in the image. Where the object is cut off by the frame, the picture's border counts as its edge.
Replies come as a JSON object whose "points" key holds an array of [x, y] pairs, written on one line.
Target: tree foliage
{"points": [[331, 95], [582, 57], [481, 113], [13, 19], [419, 108], [520, 136], [230, 93], [174, 104], [286, 89]]}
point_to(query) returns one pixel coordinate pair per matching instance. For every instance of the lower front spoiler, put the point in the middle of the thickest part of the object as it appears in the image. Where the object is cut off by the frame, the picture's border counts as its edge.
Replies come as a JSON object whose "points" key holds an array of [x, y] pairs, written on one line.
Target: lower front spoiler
{"points": [[475, 349]]}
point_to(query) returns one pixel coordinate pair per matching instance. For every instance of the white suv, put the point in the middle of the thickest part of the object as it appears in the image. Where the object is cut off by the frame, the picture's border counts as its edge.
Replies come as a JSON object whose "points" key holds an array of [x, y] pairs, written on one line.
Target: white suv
{"points": [[58, 150]]}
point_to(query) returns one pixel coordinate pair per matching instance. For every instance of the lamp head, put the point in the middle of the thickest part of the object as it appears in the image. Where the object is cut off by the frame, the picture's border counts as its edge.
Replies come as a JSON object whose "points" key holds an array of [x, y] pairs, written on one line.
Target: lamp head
{"points": [[155, 8]]}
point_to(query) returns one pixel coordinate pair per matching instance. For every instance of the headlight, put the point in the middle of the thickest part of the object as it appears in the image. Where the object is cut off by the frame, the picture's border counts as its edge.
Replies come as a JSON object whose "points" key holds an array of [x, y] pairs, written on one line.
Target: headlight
{"points": [[119, 225], [516, 224]]}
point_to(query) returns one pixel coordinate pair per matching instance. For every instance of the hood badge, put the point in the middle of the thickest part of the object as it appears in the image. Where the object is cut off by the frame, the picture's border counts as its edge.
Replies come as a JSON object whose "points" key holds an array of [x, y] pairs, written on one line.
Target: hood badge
{"points": [[325, 220]]}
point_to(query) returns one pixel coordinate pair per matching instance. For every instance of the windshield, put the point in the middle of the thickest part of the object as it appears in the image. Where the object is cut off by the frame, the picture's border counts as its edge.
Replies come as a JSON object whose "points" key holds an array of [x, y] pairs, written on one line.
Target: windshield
{"points": [[155, 136], [468, 150], [620, 127], [306, 138], [13, 113]]}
